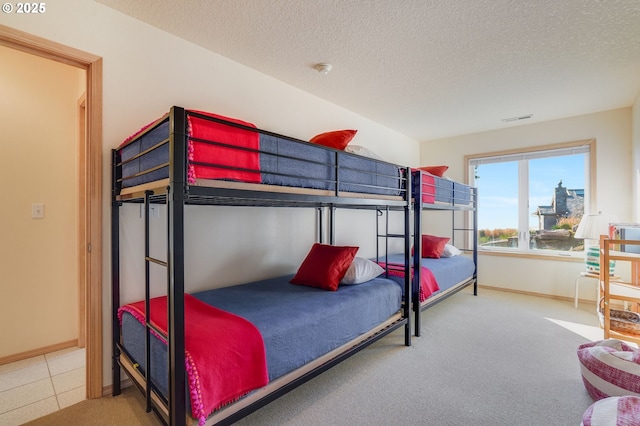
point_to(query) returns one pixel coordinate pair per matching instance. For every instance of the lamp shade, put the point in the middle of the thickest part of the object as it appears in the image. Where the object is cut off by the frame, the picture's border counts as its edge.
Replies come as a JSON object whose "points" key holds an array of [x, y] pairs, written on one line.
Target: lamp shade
{"points": [[591, 227]]}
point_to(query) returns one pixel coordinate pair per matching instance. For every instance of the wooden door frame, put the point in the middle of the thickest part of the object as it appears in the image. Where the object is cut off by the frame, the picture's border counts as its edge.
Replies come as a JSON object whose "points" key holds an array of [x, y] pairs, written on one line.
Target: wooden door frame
{"points": [[90, 203], [83, 232]]}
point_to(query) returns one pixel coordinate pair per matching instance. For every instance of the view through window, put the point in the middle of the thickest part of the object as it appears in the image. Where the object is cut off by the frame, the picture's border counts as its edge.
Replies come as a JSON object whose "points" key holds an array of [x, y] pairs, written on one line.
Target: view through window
{"points": [[531, 200]]}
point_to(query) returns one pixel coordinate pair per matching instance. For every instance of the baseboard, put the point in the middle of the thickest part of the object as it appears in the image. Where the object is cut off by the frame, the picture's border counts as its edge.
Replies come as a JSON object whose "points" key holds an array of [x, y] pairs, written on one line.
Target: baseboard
{"points": [[40, 351], [531, 293], [107, 390]]}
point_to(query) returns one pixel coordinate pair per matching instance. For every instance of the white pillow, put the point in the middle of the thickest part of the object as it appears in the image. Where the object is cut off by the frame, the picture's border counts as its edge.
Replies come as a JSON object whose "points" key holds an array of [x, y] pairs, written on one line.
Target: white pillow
{"points": [[361, 270], [361, 150], [450, 251]]}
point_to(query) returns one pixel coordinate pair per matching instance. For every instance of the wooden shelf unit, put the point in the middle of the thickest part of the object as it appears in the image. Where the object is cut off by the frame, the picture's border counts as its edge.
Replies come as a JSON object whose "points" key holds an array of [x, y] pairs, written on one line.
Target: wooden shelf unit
{"points": [[617, 290]]}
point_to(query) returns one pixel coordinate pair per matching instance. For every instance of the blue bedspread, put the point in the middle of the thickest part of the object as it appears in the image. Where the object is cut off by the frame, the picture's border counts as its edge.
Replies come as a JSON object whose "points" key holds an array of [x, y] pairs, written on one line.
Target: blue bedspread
{"points": [[448, 271], [298, 323]]}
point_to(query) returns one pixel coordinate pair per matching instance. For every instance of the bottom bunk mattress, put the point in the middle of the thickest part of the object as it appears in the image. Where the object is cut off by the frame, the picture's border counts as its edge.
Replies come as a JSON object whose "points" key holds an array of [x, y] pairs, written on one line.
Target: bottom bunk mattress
{"points": [[446, 271], [297, 323]]}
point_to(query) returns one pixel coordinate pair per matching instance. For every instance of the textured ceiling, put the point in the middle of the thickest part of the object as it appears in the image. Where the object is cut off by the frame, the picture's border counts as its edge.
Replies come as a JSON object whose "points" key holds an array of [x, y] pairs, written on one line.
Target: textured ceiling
{"points": [[426, 68]]}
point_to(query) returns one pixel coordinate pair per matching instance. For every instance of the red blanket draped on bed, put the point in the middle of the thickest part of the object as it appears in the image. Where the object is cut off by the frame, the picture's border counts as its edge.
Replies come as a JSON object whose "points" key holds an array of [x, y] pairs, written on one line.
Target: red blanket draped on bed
{"points": [[428, 186], [226, 158], [224, 353], [428, 283]]}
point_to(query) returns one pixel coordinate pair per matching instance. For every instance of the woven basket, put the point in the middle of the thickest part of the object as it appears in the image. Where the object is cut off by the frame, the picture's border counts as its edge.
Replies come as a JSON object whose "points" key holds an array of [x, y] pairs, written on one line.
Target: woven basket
{"points": [[620, 320]]}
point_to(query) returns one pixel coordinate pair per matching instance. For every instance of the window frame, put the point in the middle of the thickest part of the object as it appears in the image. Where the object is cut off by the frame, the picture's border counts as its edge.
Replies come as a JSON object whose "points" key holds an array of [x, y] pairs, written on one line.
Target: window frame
{"points": [[590, 190]]}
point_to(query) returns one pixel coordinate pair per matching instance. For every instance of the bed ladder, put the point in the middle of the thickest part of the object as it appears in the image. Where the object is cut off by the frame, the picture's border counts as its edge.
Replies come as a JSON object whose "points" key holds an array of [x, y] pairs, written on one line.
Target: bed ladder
{"points": [[149, 327], [407, 266]]}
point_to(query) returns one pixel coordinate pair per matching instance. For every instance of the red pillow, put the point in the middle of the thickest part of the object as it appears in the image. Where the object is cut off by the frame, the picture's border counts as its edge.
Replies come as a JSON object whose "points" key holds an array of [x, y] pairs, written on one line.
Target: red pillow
{"points": [[435, 170], [433, 246], [325, 266], [338, 139]]}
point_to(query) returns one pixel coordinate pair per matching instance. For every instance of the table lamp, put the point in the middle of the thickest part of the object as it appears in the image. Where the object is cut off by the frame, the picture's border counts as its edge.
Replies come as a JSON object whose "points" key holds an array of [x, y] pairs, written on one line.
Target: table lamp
{"points": [[590, 228]]}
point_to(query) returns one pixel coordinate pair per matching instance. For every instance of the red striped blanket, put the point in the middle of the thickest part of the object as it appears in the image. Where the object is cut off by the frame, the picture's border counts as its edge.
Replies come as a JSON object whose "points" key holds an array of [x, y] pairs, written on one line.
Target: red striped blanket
{"points": [[225, 158], [428, 283], [224, 353]]}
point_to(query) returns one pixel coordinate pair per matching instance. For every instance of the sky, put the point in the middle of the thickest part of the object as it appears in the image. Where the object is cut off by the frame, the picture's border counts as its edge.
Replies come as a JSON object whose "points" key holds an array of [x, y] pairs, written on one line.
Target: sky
{"points": [[498, 188]]}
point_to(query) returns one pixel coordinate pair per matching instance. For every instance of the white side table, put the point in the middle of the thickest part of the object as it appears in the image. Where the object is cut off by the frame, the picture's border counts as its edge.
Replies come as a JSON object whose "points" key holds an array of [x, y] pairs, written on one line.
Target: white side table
{"points": [[583, 275], [591, 275]]}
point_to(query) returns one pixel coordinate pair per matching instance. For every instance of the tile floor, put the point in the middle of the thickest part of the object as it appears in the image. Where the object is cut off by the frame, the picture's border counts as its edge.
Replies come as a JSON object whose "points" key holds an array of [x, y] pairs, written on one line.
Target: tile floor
{"points": [[38, 386]]}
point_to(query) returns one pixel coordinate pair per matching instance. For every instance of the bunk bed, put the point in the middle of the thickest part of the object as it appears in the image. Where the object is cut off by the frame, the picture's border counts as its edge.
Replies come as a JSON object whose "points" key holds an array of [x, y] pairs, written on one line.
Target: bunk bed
{"points": [[438, 276], [439, 268], [194, 158]]}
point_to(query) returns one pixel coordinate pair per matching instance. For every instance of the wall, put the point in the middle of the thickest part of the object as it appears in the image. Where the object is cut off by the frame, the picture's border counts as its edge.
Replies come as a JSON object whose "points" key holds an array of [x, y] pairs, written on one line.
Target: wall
{"points": [[145, 72], [612, 131], [635, 112], [38, 257]]}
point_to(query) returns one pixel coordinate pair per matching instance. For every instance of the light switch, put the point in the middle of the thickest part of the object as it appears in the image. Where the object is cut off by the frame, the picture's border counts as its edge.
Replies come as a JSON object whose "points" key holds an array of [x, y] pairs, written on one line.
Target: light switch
{"points": [[37, 211]]}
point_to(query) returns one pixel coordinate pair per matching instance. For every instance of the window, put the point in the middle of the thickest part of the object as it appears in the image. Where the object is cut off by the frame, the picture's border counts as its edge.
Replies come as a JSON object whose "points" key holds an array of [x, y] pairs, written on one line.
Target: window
{"points": [[532, 200]]}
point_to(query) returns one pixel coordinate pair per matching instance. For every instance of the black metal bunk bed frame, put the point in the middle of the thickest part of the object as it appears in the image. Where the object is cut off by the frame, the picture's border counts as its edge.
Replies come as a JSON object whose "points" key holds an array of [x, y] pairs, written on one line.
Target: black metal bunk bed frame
{"points": [[176, 195], [458, 205]]}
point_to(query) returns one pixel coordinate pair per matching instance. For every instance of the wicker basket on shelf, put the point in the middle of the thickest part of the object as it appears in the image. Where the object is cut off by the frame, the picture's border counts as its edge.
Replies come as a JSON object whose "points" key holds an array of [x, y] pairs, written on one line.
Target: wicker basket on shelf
{"points": [[620, 320]]}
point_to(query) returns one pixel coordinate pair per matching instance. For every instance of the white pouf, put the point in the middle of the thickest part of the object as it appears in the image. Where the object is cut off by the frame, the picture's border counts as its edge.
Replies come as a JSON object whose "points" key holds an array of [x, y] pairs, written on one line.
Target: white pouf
{"points": [[613, 411], [610, 368]]}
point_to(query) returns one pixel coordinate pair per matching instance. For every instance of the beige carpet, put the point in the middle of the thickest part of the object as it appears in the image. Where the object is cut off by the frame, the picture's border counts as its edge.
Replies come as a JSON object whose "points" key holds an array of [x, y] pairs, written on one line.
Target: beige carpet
{"points": [[125, 409], [496, 359]]}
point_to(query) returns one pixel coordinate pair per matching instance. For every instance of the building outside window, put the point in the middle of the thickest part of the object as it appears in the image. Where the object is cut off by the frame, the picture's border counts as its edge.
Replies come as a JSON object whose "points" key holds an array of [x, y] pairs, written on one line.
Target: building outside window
{"points": [[532, 200]]}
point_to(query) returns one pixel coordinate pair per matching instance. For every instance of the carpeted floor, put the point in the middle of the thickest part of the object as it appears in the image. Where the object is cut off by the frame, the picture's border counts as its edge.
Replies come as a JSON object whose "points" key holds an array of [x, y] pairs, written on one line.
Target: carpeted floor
{"points": [[496, 359]]}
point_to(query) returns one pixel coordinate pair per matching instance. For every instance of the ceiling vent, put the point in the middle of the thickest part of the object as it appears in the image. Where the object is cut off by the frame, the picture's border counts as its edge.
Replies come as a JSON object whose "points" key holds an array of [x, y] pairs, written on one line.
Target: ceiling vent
{"points": [[522, 117]]}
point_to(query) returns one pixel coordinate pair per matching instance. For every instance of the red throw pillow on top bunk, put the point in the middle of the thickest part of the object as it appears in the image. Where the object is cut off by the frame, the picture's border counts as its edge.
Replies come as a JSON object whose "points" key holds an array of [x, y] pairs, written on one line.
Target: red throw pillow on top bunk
{"points": [[338, 139], [433, 246], [325, 266], [435, 170]]}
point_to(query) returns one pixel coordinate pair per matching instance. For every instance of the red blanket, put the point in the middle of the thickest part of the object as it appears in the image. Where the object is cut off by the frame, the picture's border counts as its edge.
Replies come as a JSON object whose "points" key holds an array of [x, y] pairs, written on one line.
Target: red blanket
{"points": [[224, 353], [427, 187], [223, 156], [428, 283]]}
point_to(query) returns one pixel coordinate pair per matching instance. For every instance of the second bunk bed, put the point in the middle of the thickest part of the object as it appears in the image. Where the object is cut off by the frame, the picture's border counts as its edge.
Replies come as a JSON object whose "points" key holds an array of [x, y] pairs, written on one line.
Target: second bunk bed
{"points": [[214, 356], [443, 265]]}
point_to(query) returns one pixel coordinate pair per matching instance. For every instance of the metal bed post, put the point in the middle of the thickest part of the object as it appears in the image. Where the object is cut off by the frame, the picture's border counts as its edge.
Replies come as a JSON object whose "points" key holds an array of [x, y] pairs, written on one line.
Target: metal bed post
{"points": [[332, 224], [417, 249], [407, 260], [386, 230], [147, 309], [377, 212], [115, 274], [474, 193], [175, 258], [320, 225]]}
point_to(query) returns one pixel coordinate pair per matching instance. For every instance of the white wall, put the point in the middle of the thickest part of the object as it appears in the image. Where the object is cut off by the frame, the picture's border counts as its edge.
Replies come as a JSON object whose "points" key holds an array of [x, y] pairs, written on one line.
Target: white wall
{"points": [[146, 71], [614, 189], [38, 164], [635, 112]]}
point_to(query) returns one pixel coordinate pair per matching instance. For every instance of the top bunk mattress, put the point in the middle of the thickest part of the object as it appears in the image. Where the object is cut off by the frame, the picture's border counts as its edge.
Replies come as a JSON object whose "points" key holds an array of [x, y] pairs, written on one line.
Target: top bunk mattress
{"points": [[221, 149]]}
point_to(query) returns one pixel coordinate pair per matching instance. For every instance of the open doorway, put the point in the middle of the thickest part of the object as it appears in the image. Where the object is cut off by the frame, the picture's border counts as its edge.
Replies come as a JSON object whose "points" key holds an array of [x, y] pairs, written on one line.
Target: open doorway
{"points": [[90, 201]]}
